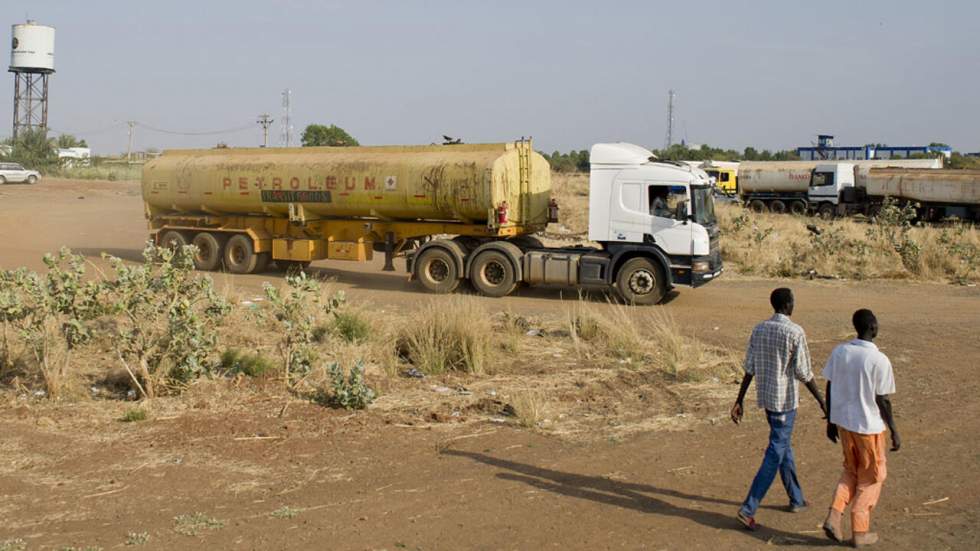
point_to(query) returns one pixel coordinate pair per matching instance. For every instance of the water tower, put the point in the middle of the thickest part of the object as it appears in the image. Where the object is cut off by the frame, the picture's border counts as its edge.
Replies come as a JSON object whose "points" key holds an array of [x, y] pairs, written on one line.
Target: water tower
{"points": [[31, 62]]}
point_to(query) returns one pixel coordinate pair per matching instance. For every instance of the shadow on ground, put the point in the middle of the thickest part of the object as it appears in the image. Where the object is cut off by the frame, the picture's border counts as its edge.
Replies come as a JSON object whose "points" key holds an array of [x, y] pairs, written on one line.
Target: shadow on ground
{"points": [[637, 497]]}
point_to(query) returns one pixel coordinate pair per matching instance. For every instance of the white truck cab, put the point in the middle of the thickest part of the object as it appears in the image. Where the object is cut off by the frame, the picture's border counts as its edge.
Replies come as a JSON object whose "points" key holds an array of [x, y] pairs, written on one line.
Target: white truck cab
{"points": [[829, 181], [641, 205]]}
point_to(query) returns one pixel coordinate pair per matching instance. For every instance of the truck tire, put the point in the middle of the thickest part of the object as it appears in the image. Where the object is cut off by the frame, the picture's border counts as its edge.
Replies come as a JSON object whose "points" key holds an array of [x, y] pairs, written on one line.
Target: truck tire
{"points": [[777, 207], [492, 274], [758, 206], [210, 249], [3, 180], [641, 281], [32, 179], [436, 269], [798, 208], [826, 211], [173, 240], [240, 256]]}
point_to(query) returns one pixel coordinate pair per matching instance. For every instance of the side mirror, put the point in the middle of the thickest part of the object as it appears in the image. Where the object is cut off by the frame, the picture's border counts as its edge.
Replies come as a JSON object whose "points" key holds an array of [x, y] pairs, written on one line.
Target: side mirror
{"points": [[681, 212]]}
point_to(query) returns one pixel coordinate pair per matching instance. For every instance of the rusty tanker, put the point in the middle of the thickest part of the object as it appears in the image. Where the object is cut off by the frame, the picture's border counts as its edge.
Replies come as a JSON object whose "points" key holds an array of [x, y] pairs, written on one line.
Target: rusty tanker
{"points": [[454, 212]]}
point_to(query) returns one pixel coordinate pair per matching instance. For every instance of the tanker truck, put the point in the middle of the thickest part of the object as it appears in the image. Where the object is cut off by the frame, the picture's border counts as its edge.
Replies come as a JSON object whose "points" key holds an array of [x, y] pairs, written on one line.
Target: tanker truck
{"points": [[455, 213], [802, 187]]}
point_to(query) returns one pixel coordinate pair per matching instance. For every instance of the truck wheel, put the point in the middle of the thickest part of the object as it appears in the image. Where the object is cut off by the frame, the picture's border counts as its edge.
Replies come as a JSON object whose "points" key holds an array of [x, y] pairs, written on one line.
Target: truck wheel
{"points": [[757, 206], [826, 211], [778, 207], [436, 269], [32, 179], [492, 274], [172, 240], [3, 180], [798, 208], [240, 256], [640, 281], [209, 251]]}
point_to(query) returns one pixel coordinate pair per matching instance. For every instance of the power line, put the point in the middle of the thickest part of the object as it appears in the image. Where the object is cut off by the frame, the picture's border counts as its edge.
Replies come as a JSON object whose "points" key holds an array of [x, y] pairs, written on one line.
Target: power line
{"points": [[192, 133], [265, 122]]}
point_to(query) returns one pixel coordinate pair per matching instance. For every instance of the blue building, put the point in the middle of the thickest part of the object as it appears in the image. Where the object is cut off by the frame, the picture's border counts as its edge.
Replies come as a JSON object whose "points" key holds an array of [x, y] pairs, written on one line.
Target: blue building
{"points": [[826, 150]]}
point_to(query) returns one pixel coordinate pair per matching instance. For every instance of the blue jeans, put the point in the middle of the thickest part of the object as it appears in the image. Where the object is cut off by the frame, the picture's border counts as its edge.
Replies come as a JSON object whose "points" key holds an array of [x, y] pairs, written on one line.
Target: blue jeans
{"points": [[779, 457]]}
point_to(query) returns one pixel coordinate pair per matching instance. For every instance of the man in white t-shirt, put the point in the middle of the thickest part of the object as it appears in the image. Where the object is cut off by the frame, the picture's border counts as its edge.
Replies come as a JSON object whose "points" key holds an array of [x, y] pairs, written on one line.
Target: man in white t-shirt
{"points": [[859, 382]]}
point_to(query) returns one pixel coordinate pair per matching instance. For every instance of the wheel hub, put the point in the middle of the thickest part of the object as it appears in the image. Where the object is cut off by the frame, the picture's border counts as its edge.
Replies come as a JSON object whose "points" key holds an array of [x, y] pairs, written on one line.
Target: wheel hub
{"points": [[642, 282], [438, 270], [494, 273]]}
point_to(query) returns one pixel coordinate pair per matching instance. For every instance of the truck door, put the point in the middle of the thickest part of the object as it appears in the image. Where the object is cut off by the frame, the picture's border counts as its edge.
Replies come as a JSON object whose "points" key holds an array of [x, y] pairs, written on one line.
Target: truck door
{"points": [[669, 228], [823, 186]]}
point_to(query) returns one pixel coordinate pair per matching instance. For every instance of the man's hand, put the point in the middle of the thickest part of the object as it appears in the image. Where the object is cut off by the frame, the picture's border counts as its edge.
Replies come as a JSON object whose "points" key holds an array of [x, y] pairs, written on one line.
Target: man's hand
{"points": [[832, 432], [896, 442], [737, 412]]}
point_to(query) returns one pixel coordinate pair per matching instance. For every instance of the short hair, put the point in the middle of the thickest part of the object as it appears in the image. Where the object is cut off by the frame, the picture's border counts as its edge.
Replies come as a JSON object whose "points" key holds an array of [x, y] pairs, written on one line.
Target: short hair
{"points": [[781, 298], [863, 319]]}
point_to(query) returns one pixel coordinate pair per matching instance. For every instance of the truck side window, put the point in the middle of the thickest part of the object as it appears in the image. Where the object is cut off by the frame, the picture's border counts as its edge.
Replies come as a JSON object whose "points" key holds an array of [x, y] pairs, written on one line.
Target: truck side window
{"points": [[663, 200], [822, 179], [724, 176]]}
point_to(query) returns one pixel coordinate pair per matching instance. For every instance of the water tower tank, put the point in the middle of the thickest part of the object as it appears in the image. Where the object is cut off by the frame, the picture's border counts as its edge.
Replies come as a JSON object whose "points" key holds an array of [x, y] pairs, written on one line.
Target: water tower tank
{"points": [[32, 48]]}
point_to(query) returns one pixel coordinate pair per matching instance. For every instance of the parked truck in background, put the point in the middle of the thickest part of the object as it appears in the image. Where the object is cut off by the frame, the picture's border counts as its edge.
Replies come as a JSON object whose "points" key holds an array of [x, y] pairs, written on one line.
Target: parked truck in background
{"points": [[455, 213], [843, 188], [814, 187]]}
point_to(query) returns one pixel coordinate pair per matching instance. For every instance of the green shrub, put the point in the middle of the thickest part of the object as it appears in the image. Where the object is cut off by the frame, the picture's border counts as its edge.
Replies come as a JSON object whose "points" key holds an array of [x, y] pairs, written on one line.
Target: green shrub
{"points": [[133, 415], [351, 326], [253, 365], [348, 392]]}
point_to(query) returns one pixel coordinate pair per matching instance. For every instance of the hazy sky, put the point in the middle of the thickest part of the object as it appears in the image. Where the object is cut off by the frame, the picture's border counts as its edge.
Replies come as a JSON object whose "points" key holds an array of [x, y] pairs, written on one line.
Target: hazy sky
{"points": [[770, 74]]}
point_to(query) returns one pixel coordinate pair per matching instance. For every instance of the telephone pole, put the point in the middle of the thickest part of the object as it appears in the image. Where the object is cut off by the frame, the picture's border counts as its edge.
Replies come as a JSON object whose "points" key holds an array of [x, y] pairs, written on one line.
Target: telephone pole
{"points": [[265, 122], [670, 118], [129, 148]]}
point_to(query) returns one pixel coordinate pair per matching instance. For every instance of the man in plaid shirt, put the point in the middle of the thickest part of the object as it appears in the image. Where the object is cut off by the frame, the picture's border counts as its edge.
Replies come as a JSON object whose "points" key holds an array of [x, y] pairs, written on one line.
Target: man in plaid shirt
{"points": [[778, 356]]}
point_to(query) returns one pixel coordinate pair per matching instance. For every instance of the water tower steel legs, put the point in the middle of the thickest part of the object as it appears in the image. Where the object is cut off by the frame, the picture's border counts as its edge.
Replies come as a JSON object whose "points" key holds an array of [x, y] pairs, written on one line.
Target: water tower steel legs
{"points": [[30, 102]]}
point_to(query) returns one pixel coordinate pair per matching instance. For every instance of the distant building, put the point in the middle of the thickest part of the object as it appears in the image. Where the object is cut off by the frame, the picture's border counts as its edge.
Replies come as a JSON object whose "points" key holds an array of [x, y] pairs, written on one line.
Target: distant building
{"points": [[74, 156], [826, 150]]}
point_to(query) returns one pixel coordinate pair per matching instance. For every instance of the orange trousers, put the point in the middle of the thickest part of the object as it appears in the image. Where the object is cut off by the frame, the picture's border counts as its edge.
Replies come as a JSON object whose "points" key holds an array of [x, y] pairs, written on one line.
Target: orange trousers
{"points": [[864, 473]]}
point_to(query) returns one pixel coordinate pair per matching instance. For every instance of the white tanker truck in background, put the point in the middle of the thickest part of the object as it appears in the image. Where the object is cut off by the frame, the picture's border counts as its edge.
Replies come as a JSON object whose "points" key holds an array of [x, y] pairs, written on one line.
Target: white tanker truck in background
{"points": [[859, 187]]}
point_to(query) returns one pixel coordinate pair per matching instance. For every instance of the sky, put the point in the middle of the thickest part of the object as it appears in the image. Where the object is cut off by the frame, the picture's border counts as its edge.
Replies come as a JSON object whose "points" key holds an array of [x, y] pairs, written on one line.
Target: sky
{"points": [[768, 74]]}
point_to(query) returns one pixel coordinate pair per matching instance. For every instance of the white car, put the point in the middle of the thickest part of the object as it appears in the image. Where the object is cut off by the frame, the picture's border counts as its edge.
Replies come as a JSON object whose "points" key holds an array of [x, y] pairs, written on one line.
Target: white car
{"points": [[13, 172]]}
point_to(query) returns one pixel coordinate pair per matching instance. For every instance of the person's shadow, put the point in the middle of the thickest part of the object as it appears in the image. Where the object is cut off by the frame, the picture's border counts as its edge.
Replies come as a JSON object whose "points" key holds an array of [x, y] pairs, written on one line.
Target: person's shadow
{"points": [[631, 496]]}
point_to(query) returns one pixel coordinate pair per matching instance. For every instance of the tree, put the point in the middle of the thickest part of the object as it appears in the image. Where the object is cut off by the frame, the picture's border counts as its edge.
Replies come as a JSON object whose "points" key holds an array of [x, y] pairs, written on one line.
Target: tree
{"points": [[33, 149], [66, 141], [318, 134]]}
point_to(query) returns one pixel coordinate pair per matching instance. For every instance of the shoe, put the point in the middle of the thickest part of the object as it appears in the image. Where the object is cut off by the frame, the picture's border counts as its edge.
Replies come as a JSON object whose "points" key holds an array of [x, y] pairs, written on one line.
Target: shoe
{"points": [[832, 526], [748, 522], [798, 508], [864, 538]]}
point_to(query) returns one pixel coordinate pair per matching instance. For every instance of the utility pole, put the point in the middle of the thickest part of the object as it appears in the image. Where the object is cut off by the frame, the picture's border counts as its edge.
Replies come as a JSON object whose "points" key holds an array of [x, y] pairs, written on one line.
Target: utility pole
{"points": [[670, 118], [265, 121], [129, 148], [287, 123]]}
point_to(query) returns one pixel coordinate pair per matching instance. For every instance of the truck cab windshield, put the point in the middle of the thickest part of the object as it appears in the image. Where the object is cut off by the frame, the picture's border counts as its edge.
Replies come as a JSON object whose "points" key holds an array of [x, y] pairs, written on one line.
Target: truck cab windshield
{"points": [[704, 206]]}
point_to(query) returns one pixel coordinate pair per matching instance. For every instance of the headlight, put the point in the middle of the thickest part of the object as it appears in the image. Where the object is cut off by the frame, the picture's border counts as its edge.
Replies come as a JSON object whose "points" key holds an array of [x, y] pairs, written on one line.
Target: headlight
{"points": [[701, 266]]}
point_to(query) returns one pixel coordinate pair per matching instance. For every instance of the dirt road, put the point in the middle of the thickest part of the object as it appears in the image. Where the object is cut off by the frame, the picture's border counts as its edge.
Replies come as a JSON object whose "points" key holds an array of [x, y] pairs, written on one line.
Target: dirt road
{"points": [[314, 478]]}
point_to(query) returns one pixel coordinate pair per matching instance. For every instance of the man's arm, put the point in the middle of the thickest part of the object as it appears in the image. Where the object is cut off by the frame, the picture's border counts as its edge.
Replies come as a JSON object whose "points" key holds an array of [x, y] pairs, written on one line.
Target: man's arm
{"points": [[831, 427], [738, 409], [804, 372], [885, 407]]}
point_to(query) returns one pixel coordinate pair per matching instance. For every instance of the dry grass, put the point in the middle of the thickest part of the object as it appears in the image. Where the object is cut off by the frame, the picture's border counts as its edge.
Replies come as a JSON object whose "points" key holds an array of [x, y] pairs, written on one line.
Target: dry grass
{"points": [[781, 246], [647, 337], [451, 334], [530, 407]]}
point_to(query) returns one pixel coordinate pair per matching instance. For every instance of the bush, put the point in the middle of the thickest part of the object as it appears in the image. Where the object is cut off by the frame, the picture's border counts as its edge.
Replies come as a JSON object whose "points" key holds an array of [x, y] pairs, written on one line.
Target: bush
{"points": [[166, 331], [348, 392], [447, 335], [299, 307], [133, 415], [351, 327], [235, 361]]}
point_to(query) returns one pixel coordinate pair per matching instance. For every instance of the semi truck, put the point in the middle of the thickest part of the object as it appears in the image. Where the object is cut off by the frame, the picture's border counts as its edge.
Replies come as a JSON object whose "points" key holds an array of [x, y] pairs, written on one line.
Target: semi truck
{"points": [[842, 189], [802, 187], [455, 213]]}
